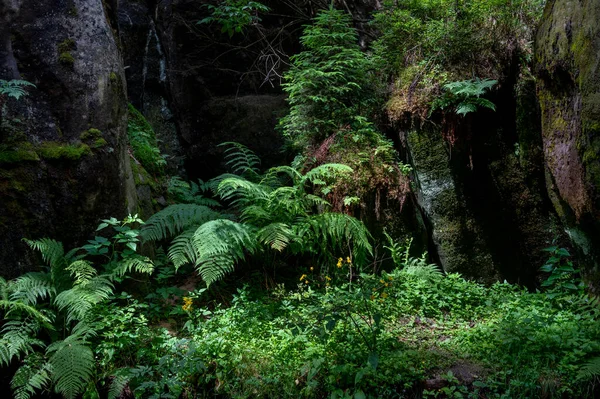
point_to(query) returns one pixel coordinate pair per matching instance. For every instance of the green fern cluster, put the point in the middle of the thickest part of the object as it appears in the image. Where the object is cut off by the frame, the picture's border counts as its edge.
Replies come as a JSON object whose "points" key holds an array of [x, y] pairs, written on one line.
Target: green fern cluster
{"points": [[57, 303], [14, 88], [274, 212], [464, 97]]}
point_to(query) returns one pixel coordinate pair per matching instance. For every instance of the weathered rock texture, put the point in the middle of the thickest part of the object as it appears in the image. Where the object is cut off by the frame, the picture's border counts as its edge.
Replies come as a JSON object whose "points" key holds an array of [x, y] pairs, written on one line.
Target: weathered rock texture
{"points": [[484, 197], [568, 66], [58, 177]]}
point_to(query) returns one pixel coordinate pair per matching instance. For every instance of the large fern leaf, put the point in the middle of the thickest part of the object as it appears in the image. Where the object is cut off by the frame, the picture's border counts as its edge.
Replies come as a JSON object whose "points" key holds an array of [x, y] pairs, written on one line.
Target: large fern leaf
{"points": [[213, 248], [137, 263], [330, 231], [72, 364], [78, 300], [18, 339], [241, 159], [591, 369], [174, 219], [32, 377], [277, 236], [31, 287]]}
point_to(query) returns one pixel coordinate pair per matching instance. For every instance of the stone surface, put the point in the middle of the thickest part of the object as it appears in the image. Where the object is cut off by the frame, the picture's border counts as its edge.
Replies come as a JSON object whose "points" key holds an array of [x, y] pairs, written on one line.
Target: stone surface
{"points": [[568, 67], [66, 183]]}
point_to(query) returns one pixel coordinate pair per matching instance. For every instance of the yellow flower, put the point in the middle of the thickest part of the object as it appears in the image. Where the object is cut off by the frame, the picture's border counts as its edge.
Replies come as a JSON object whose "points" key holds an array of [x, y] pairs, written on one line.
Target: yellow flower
{"points": [[312, 268], [339, 263], [302, 277], [327, 278], [386, 284], [381, 281], [306, 282], [187, 303], [348, 260]]}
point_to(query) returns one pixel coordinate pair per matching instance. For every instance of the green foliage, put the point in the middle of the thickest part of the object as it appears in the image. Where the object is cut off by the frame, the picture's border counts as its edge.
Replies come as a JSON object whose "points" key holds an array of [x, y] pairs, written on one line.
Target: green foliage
{"points": [[328, 83], [277, 212], [426, 44], [234, 15], [57, 151], [465, 96], [562, 278], [143, 142], [48, 315], [377, 336], [14, 88]]}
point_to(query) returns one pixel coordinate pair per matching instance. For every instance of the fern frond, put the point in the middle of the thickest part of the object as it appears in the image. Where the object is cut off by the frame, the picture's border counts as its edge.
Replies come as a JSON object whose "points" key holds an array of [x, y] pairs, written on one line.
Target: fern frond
{"points": [[174, 219], [78, 300], [32, 377], [332, 230], [137, 263], [241, 159], [82, 272], [20, 307], [182, 249], [14, 88], [272, 177], [119, 381], [327, 172], [51, 250], [590, 369], [277, 236], [18, 339], [213, 248], [72, 366], [241, 191], [53, 254], [418, 268], [31, 287]]}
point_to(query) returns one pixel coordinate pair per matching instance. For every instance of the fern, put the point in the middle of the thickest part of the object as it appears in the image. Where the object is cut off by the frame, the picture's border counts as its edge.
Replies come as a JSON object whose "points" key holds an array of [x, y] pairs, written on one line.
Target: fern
{"points": [[174, 219], [54, 256], [465, 96], [72, 364], [335, 230], [276, 236], [241, 159], [31, 287], [18, 339], [119, 381], [214, 248], [590, 369], [14, 88], [31, 377], [78, 300], [82, 272], [137, 263]]}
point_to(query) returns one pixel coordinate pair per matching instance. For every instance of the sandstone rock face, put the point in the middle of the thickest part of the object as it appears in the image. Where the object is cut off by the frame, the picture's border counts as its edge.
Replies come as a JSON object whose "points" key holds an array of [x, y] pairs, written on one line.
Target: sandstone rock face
{"points": [[568, 67], [63, 152], [484, 197]]}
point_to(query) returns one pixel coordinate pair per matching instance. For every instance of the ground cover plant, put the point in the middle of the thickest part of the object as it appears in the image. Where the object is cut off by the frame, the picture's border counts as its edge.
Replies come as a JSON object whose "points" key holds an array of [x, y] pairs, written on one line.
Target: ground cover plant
{"points": [[412, 332]]}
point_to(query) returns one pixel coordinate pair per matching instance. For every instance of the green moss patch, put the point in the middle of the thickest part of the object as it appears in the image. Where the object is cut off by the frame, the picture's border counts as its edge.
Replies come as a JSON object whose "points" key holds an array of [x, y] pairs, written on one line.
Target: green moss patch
{"points": [[22, 152], [58, 151]]}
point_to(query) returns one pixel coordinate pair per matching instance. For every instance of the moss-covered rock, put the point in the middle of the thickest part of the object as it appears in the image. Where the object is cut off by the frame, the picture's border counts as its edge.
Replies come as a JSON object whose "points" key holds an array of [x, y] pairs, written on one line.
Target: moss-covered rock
{"points": [[568, 59]]}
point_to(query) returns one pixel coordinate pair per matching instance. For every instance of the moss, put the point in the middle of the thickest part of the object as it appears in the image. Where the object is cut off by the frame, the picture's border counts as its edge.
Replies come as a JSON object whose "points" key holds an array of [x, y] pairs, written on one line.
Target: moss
{"points": [[99, 143], [114, 77], [66, 45], [22, 152], [90, 134], [59, 151], [66, 59]]}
